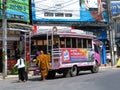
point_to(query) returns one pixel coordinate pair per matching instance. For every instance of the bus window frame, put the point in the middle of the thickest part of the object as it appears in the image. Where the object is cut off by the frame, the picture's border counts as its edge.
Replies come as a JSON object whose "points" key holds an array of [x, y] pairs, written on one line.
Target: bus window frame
{"points": [[84, 44], [77, 40], [80, 45], [62, 42], [74, 42], [89, 43], [68, 46]]}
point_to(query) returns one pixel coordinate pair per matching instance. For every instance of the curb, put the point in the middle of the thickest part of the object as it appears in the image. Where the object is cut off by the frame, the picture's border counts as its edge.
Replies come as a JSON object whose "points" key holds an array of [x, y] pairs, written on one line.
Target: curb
{"points": [[8, 77]]}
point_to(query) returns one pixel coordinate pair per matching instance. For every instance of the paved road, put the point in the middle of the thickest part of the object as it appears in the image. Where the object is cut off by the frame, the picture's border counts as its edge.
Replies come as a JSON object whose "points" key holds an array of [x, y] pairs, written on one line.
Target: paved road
{"points": [[106, 79]]}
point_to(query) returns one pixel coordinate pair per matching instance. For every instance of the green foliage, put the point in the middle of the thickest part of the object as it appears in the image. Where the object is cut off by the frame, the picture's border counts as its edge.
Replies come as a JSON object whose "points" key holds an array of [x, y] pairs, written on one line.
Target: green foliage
{"points": [[14, 71], [27, 65], [35, 61]]}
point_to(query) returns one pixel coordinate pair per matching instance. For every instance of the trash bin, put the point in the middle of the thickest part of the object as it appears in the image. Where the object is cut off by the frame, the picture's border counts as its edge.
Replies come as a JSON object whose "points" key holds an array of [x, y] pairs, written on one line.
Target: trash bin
{"points": [[118, 63]]}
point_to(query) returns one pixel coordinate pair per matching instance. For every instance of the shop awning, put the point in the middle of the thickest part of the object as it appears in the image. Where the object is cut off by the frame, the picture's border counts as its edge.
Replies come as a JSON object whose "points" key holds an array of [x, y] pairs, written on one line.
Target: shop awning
{"points": [[19, 27]]}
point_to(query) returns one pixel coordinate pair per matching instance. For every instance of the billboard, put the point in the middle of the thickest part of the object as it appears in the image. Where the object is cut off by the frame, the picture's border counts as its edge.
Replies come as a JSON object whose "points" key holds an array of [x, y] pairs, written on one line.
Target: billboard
{"points": [[69, 10], [115, 8], [17, 10]]}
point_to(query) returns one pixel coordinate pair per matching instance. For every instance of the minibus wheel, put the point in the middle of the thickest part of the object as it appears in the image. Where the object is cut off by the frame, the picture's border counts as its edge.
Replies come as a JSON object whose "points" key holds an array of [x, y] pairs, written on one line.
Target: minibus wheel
{"points": [[74, 71], [51, 74], [95, 68], [66, 73]]}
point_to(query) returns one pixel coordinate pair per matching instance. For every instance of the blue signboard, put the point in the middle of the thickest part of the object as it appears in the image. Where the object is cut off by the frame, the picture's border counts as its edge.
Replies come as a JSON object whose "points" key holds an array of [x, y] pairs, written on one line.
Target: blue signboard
{"points": [[69, 10], [115, 8], [17, 10], [100, 34]]}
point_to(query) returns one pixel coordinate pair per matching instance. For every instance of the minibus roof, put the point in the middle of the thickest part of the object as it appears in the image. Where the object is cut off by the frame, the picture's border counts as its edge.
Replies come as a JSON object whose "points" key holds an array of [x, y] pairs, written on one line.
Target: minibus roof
{"points": [[61, 30]]}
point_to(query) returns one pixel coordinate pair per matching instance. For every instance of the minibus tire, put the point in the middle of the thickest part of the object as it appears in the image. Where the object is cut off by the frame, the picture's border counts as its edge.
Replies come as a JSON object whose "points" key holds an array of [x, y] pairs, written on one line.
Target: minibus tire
{"points": [[95, 68], [74, 71], [66, 73], [51, 75]]}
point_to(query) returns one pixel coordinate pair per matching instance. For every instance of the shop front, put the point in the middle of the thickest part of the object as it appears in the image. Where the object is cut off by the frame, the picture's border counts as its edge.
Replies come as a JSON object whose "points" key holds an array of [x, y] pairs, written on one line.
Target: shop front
{"points": [[17, 43]]}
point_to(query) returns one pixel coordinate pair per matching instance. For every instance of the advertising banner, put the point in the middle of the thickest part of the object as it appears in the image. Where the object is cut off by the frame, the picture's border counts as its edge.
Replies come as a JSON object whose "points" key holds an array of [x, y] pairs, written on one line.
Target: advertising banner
{"points": [[17, 10], [69, 10], [74, 55], [115, 8]]}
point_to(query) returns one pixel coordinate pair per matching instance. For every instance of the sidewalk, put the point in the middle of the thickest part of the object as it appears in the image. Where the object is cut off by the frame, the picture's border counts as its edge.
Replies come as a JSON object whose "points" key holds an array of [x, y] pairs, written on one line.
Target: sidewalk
{"points": [[108, 67], [8, 77], [12, 76]]}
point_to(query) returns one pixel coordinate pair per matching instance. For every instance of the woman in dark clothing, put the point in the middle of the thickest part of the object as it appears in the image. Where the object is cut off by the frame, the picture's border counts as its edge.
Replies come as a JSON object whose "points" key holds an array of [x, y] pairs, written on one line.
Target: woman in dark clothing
{"points": [[21, 69]]}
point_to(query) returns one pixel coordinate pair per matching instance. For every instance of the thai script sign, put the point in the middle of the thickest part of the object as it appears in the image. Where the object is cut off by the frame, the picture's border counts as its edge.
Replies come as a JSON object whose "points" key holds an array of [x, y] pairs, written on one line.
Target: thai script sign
{"points": [[17, 10]]}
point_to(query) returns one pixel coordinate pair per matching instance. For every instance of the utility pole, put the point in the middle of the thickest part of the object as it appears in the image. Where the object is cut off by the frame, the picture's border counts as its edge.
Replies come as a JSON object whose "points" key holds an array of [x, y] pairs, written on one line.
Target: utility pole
{"points": [[4, 39], [111, 32]]}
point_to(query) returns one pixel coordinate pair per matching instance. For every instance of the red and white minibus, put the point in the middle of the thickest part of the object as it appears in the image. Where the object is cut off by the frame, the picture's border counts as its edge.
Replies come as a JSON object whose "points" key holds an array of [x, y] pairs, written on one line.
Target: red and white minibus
{"points": [[71, 50]]}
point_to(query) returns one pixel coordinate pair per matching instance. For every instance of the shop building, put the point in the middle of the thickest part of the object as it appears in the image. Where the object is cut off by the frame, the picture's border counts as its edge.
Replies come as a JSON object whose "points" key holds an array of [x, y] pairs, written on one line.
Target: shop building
{"points": [[17, 44]]}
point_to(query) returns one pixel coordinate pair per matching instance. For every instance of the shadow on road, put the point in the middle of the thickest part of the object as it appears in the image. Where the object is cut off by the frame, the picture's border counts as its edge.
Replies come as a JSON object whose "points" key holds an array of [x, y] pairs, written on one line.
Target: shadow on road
{"points": [[58, 76]]}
